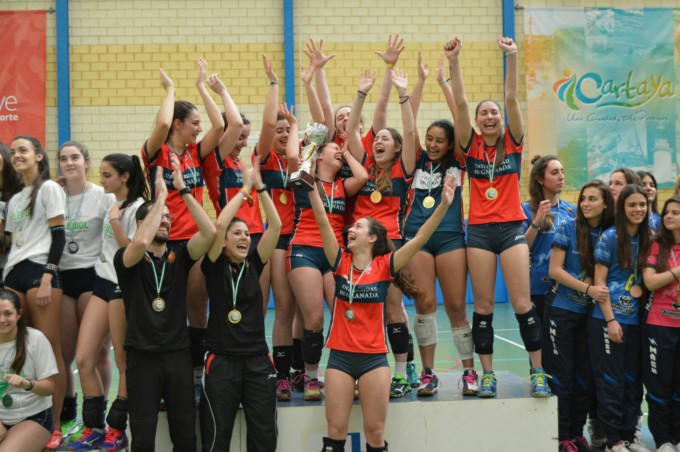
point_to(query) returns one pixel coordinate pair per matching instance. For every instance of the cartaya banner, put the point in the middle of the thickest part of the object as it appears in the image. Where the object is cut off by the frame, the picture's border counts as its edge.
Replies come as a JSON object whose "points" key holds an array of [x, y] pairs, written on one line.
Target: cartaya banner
{"points": [[601, 89]]}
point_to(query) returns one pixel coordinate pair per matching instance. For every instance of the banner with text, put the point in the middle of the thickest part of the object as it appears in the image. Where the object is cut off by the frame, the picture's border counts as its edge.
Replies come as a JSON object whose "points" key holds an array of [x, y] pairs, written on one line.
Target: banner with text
{"points": [[601, 89], [22, 77]]}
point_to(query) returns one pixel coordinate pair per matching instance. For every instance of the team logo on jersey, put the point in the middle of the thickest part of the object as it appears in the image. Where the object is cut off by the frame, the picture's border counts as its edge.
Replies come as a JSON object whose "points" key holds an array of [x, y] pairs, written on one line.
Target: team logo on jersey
{"points": [[171, 257], [676, 305], [626, 301]]}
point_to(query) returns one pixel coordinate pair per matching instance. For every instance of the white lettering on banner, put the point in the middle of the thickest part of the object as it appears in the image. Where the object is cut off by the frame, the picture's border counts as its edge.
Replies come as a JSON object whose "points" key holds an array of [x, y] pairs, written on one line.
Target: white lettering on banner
{"points": [[8, 105]]}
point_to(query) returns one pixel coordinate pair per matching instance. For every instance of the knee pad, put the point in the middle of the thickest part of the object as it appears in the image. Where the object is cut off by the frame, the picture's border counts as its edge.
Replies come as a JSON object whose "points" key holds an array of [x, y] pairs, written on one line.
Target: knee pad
{"points": [[117, 417], [425, 328], [197, 346], [93, 412], [370, 448], [333, 445], [397, 333], [312, 345], [462, 339], [530, 330], [482, 333]]}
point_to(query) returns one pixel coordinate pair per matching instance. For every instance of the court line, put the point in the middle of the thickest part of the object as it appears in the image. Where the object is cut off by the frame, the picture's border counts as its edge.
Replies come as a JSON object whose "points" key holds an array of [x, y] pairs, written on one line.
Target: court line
{"points": [[509, 341]]}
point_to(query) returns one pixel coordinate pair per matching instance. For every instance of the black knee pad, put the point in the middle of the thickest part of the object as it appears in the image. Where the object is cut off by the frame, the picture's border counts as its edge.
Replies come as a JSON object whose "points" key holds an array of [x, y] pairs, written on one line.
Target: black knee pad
{"points": [[482, 333], [69, 410], [197, 346], [370, 448], [93, 412], [333, 445], [117, 417], [312, 345], [397, 333], [530, 330]]}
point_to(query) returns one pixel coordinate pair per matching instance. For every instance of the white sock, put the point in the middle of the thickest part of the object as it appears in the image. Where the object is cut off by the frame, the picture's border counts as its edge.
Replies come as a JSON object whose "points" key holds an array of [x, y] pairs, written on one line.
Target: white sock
{"points": [[313, 373], [400, 368]]}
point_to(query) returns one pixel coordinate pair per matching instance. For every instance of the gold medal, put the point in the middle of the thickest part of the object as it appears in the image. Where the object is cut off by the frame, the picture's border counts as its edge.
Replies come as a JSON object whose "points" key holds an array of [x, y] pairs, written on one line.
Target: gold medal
{"points": [[158, 304], [349, 314], [636, 291], [491, 194], [234, 316], [376, 197], [428, 202], [283, 198]]}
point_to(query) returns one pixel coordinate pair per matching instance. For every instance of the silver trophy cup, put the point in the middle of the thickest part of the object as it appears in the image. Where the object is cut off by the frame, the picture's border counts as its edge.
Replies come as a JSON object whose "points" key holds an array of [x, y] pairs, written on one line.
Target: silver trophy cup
{"points": [[303, 179]]}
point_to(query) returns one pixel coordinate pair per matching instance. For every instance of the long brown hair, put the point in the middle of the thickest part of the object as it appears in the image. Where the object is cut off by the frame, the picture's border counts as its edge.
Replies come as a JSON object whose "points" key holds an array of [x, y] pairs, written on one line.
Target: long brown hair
{"points": [[584, 242], [623, 245], [43, 169], [540, 165], [22, 333], [665, 237], [382, 178]]}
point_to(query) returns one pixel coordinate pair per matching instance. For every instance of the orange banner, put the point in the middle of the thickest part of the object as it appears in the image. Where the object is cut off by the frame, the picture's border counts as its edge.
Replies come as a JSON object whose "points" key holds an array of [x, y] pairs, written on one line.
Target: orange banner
{"points": [[22, 74]]}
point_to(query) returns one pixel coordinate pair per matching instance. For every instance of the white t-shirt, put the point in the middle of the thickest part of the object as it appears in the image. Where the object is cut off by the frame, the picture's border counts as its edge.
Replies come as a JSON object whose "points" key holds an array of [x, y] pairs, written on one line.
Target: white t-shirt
{"points": [[40, 364], [104, 267], [84, 219], [31, 236]]}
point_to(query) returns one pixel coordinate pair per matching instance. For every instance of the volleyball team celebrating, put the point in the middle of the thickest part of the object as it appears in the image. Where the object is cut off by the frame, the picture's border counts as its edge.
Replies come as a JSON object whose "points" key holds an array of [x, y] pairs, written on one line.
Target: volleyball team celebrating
{"points": [[376, 213]]}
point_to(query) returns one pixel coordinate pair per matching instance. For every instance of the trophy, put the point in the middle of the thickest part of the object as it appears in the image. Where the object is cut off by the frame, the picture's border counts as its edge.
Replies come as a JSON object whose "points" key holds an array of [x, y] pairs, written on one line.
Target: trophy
{"points": [[315, 135]]}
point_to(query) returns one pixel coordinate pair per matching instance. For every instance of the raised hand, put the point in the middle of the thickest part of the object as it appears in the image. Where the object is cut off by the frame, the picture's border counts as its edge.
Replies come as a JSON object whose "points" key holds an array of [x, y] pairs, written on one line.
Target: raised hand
{"points": [[159, 184], [246, 174], [255, 175], [453, 47], [216, 84], [394, 48], [423, 68], [400, 81], [449, 189], [315, 54], [507, 45], [271, 75], [202, 75], [306, 74], [288, 115], [177, 178], [366, 80], [166, 81], [441, 78]]}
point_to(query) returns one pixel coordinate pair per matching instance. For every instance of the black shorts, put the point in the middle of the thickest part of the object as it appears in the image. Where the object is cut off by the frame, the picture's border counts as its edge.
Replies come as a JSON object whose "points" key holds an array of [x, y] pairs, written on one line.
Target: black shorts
{"points": [[44, 418], [27, 275], [106, 290], [442, 242], [77, 282], [283, 242], [356, 364], [496, 237]]}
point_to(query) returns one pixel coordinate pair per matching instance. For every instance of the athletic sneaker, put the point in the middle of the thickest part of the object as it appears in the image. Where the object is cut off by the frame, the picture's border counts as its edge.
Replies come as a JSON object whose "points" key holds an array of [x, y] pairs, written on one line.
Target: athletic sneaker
{"points": [[55, 440], [539, 384], [69, 427], [487, 388], [567, 446], [92, 438], [412, 375], [115, 440], [621, 446], [298, 379], [596, 434], [312, 390], [582, 443], [470, 386], [284, 390], [666, 447], [429, 384], [637, 446], [399, 387]]}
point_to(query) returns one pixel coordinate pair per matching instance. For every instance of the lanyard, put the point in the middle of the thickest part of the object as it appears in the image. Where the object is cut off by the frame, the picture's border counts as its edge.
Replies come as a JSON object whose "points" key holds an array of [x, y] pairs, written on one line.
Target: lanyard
{"points": [[284, 176], [429, 182], [192, 168], [234, 287], [492, 167], [68, 211], [332, 198], [159, 283], [352, 287], [635, 258]]}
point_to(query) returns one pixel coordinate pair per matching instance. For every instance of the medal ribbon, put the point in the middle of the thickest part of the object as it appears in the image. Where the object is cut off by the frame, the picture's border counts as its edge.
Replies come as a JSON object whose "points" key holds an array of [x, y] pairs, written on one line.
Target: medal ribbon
{"points": [[192, 168], [633, 280], [68, 212], [284, 176], [429, 182], [492, 167], [155, 275], [332, 198], [352, 286], [675, 264], [234, 287]]}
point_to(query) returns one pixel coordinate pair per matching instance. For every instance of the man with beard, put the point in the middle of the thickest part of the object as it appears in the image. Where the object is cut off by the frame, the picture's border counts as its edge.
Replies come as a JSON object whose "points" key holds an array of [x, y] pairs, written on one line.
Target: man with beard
{"points": [[153, 280]]}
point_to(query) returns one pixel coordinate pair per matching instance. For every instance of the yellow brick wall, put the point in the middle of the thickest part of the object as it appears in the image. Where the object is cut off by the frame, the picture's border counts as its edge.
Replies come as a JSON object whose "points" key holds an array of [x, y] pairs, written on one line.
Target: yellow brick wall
{"points": [[117, 46]]}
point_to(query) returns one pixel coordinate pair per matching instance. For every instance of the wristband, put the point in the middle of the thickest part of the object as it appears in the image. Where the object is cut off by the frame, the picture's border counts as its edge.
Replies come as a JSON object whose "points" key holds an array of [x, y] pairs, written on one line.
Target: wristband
{"points": [[170, 88], [111, 220], [444, 82], [184, 191], [586, 292], [406, 98], [246, 196], [535, 227], [610, 320], [273, 82], [51, 269], [390, 65], [510, 52], [361, 93], [30, 386], [261, 189]]}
